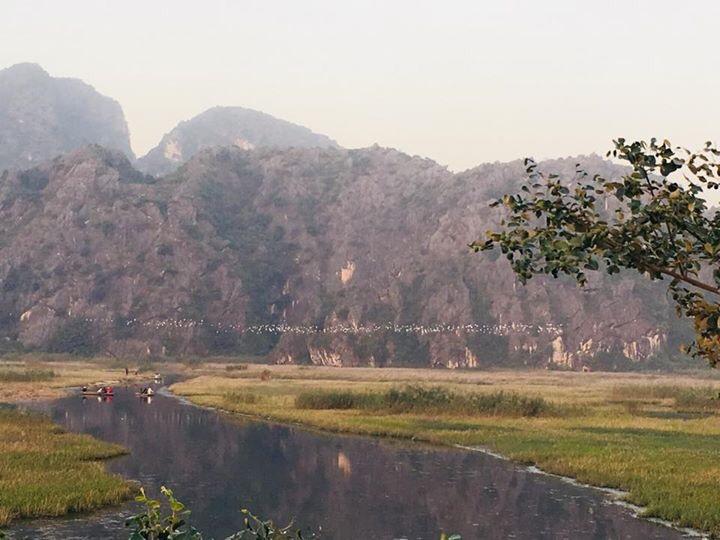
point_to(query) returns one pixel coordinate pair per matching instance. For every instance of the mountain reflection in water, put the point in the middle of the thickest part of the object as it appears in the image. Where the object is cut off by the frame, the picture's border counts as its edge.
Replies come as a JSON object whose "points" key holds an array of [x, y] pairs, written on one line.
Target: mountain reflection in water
{"points": [[345, 487]]}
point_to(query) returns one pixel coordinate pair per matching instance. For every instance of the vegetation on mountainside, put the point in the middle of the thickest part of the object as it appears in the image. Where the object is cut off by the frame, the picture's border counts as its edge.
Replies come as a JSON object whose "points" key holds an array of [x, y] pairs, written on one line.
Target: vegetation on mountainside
{"points": [[658, 223], [341, 245], [654, 437], [267, 261]]}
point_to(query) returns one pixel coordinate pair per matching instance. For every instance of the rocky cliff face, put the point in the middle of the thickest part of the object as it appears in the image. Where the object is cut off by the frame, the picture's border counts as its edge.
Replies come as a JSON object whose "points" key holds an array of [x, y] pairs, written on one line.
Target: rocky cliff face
{"points": [[227, 126], [322, 255], [42, 117]]}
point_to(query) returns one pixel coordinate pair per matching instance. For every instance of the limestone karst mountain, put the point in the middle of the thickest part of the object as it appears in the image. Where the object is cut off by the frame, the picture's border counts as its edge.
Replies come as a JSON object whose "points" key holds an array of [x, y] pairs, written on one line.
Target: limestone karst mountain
{"points": [[226, 126], [43, 116], [323, 255], [270, 239]]}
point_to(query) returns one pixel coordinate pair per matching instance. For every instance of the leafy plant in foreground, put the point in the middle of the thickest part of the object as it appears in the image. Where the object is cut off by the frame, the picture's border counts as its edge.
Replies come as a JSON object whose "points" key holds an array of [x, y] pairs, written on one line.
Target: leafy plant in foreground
{"points": [[654, 220], [151, 524], [257, 529]]}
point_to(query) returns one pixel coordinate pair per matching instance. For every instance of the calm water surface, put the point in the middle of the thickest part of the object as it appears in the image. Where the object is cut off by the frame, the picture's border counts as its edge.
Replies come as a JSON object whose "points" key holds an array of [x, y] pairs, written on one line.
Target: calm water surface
{"points": [[345, 487]]}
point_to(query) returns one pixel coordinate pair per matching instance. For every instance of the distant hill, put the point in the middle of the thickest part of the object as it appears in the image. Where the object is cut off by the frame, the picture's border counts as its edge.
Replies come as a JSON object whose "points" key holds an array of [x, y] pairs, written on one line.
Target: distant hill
{"points": [[227, 126], [43, 116], [310, 255]]}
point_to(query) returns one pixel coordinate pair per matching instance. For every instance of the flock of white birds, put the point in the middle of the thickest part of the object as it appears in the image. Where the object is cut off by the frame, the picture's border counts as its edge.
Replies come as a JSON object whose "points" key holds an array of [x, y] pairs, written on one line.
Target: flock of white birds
{"points": [[355, 329]]}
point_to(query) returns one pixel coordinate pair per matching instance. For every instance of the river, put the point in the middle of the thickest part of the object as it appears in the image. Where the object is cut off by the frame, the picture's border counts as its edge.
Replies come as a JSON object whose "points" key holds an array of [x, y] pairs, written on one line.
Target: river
{"points": [[344, 487]]}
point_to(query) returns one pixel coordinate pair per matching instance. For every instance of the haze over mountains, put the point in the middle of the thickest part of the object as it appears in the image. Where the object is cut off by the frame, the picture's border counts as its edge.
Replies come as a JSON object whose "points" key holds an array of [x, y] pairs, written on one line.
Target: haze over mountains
{"points": [[223, 126], [271, 239], [43, 116]]}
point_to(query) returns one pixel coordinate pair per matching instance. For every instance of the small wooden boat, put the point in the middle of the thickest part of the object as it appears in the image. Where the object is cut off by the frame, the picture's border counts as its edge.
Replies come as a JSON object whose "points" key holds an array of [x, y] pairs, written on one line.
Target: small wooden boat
{"points": [[99, 394], [149, 393]]}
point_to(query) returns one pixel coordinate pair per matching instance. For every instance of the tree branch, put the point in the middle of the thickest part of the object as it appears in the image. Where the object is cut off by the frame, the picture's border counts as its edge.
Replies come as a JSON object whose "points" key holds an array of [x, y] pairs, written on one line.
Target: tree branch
{"points": [[691, 281]]}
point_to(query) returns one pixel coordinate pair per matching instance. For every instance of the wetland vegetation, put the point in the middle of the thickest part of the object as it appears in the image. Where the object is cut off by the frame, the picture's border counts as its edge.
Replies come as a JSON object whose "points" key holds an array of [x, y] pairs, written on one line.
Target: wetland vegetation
{"points": [[70, 466], [652, 436], [32, 447]]}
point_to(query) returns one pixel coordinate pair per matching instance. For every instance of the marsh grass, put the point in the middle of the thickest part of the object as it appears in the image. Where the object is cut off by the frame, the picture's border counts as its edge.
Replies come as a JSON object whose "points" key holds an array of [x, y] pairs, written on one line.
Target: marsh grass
{"points": [[700, 398], [338, 399], [242, 397], [433, 399], [27, 375], [236, 367], [682, 398], [648, 391], [45, 471], [30, 377], [625, 431]]}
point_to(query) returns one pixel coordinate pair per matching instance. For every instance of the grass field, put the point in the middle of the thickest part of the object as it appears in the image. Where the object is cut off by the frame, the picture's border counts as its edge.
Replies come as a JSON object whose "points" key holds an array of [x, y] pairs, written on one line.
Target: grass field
{"points": [[47, 472], [655, 436], [43, 470], [33, 377]]}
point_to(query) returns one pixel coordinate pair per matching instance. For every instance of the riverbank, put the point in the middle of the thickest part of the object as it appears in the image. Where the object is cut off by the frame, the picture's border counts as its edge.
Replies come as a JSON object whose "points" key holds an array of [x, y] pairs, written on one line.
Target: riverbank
{"points": [[39, 377], [45, 471], [654, 436]]}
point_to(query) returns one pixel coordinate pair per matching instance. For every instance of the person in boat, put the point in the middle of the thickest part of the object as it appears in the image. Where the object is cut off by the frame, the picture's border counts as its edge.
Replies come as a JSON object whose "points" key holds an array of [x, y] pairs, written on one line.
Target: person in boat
{"points": [[84, 389], [144, 390]]}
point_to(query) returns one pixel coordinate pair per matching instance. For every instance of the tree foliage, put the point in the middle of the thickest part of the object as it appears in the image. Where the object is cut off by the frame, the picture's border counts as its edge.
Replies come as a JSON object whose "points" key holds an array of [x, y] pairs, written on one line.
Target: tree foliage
{"points": [[654, 219]]}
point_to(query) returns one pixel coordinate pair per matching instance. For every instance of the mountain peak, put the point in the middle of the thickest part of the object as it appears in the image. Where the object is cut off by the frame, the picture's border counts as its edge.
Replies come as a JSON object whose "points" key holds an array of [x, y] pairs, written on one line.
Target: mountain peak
{"points": [[43, 116], [25, 69], [228, 126]]}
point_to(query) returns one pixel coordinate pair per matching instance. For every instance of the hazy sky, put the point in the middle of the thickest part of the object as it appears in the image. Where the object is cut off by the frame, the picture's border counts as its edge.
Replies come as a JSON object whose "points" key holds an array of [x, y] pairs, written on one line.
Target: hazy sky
{"points": [[462, 82]]}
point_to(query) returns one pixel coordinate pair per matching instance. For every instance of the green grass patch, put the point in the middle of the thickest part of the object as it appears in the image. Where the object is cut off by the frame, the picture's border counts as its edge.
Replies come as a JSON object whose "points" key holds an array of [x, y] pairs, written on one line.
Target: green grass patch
{"points": [[45, 471]]}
